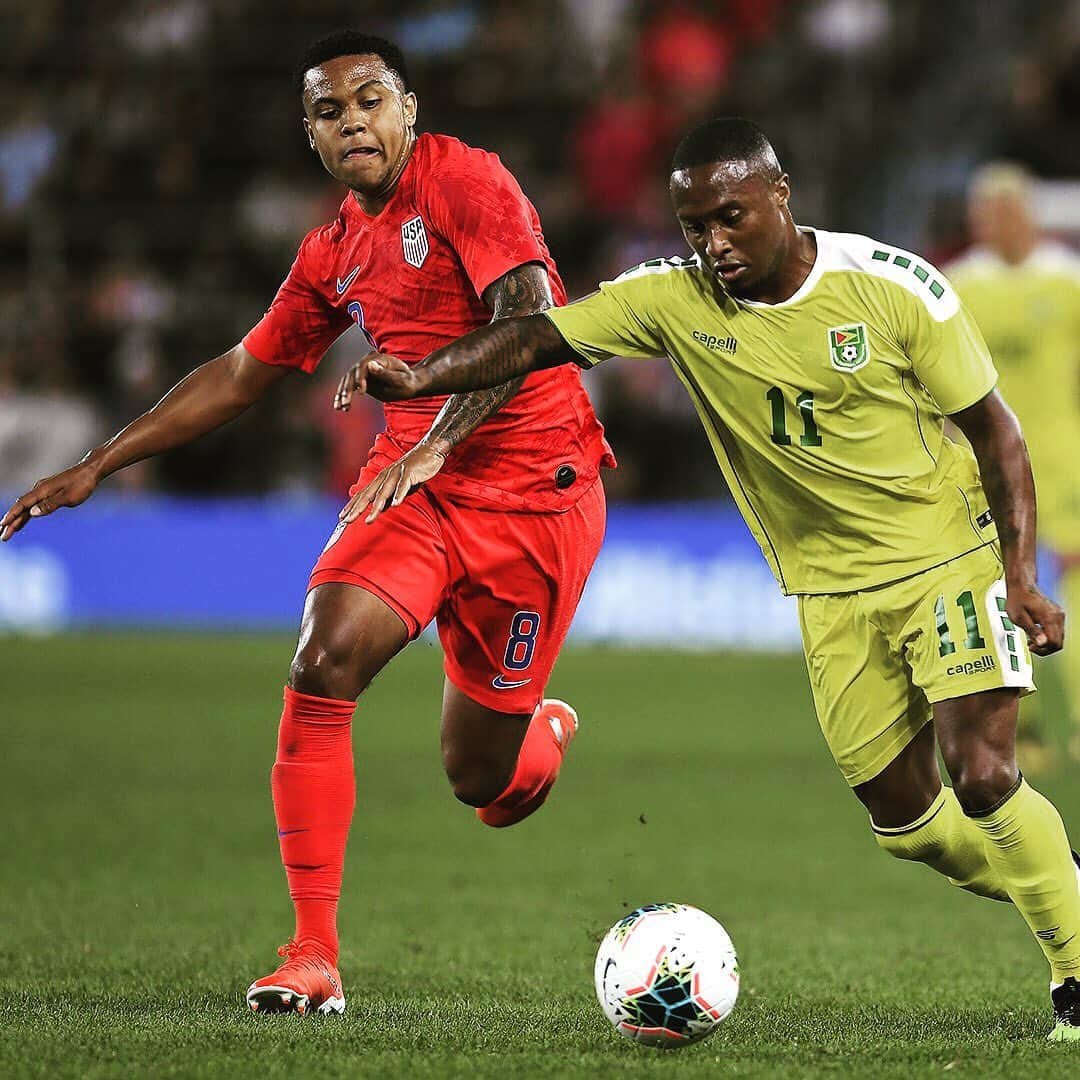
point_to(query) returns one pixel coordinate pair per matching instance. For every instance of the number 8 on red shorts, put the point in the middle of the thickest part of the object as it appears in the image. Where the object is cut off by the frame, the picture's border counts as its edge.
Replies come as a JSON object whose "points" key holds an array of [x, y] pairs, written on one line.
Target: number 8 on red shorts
{"points": [[502, 586]]}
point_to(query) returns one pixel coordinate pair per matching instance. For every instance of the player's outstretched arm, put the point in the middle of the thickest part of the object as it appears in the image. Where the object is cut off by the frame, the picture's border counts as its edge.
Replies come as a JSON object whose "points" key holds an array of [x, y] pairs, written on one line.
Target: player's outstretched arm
{"points": [[525, 290], [998, 442], [486, 357], [203, 400]]}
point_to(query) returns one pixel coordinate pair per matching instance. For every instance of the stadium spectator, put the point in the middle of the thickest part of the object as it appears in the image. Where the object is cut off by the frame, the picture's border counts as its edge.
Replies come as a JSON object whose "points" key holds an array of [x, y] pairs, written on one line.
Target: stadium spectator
{"points": [[28, 149], [116, 127], [1042, 128]]}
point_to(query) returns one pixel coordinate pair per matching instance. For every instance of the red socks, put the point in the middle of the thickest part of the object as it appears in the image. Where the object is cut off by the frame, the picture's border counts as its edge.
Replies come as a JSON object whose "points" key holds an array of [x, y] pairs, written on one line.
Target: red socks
{"points": [[314, 789], [537, 770]]}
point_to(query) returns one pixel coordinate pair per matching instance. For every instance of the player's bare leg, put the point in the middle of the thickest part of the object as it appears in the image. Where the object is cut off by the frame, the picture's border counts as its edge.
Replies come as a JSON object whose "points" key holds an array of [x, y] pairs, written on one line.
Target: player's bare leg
{"points": [[480, 746], [907, 786], [977, 734], [915, 817], [504, 764], [346, 637]]}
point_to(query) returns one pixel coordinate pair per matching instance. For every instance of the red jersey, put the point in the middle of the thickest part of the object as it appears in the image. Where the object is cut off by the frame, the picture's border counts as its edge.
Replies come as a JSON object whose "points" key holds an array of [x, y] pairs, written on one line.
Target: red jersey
{"points": [[411, 279]]}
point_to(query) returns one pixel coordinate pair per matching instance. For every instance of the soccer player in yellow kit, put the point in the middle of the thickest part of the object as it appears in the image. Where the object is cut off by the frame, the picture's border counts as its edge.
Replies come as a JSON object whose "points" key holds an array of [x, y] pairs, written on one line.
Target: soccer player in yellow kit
{"points": [[823, 366], [1024, 293]]}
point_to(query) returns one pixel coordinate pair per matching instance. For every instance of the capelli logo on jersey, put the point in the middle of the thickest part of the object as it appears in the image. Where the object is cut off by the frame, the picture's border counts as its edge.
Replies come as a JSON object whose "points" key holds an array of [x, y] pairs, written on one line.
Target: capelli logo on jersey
{"points": [[717, 344], [414, 241]]}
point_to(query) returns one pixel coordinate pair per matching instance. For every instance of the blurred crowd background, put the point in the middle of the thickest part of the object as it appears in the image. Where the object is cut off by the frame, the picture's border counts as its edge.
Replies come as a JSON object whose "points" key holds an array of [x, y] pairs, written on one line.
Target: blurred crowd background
{"points": [[155, 181]]}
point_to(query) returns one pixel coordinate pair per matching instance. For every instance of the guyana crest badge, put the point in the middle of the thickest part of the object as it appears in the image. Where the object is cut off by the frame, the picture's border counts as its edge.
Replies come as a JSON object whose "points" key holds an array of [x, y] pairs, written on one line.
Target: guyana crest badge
{"points": [[848, 349]]}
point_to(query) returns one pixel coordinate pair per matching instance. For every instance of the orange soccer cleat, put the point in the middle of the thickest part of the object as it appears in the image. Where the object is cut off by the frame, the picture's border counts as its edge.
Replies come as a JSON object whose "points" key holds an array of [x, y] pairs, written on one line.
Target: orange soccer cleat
{"points": [[304, 983]]}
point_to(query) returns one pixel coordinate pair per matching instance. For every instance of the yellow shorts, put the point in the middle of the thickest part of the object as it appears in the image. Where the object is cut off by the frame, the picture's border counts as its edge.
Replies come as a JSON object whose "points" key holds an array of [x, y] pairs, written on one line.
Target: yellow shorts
{"points": [[878, 659]]}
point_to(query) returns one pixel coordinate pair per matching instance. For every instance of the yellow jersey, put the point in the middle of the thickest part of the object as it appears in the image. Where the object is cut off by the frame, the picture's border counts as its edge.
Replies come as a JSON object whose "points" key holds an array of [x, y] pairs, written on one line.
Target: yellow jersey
{"points": [[826, 411], [1029, 314]]}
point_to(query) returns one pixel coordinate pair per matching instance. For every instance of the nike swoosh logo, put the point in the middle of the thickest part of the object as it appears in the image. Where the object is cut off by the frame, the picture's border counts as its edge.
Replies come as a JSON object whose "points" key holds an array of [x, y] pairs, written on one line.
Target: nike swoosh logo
{"points": [[289, 832], [343, 285], [501, 683]]}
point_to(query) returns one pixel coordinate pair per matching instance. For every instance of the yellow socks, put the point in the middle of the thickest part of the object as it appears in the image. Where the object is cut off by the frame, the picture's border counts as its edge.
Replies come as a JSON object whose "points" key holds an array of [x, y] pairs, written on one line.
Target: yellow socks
{"points": [[1029, 853], [945, 839], [1016, 851]]}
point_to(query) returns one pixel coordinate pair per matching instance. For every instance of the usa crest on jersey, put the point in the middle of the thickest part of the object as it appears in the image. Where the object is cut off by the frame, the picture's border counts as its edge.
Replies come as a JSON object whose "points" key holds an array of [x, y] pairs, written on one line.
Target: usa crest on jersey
{"points": [[414, 241]]}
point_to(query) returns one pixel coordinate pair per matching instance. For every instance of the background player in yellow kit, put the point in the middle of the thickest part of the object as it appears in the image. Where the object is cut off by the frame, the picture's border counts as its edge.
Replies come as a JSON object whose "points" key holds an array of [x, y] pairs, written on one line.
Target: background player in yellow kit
{"points": [[822, 366], [1024, 292]]}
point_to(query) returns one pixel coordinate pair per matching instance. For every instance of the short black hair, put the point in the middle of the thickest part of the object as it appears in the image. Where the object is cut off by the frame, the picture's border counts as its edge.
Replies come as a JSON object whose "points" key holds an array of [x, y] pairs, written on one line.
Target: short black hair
{"points": [[728, 138], [350, 43]]}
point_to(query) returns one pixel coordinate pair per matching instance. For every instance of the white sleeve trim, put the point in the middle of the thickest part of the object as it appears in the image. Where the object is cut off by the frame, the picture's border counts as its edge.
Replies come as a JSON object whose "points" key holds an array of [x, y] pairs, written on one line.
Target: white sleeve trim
{"points": [[906, 269], [658, 266]]}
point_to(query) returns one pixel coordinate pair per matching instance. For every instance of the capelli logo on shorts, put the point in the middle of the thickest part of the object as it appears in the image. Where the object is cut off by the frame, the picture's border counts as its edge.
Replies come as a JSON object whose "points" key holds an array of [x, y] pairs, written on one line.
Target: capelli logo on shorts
{"points": [[973, 667]]}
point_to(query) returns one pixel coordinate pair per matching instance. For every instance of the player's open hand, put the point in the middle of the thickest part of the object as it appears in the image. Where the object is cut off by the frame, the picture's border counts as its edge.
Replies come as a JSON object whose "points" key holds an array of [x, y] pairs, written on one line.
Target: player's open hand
{"points": [[68, 488], [394, 483], [1038, 616], [378, 374]]}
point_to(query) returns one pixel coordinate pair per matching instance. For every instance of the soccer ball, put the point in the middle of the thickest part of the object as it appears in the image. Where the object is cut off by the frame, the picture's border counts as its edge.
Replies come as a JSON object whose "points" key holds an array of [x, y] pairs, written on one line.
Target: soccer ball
{"points": [[666, 975]]}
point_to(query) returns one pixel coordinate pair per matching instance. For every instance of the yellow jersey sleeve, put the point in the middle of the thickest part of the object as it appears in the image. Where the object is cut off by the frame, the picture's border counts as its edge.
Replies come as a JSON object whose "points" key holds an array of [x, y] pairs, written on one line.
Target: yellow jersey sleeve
{"points": [[948, 353], [614, 321]]}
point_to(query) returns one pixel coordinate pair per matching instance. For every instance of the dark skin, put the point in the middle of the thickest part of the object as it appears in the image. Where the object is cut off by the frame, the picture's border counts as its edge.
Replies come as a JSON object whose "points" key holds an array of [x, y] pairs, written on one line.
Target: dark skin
{"points": [[359, 120], [523, 291], [205, 399], [977, 733], [735, 217]]}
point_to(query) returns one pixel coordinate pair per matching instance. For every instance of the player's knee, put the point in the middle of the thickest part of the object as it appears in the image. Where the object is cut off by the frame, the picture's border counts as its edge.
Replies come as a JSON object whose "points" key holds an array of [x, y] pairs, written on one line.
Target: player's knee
{"points": [[322, 672], [983, 780], [477, 785]]}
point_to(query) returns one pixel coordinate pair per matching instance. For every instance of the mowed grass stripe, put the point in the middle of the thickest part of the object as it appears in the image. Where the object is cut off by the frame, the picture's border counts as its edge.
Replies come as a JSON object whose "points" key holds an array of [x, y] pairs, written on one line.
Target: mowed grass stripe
{"points": [[142, 891]]}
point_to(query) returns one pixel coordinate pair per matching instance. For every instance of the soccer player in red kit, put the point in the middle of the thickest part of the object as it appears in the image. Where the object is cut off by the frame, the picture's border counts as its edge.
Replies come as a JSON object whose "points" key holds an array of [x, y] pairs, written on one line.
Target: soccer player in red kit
{"points": [[433, 239]]}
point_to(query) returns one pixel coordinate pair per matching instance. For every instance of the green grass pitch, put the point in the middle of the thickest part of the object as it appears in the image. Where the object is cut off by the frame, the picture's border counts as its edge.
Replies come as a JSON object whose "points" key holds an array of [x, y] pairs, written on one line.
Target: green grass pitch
{"points": [[142, 889]]}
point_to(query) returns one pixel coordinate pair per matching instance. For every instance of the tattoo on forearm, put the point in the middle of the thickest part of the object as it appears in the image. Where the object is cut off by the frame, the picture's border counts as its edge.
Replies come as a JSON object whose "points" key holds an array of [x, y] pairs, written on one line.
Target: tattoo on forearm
{"points": [[464, 413], [490, 356], [525, 290]]}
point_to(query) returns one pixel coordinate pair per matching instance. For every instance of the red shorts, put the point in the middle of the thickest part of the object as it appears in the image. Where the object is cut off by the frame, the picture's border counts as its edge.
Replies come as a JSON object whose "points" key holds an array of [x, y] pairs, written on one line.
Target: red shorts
{"points": [[502, 586]]}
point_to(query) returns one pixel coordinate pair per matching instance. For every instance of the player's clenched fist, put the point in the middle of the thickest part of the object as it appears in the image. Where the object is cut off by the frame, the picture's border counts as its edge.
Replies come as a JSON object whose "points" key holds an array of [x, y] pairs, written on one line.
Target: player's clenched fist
{"points": [[384, 377], [68, 488], [1038, 616]]}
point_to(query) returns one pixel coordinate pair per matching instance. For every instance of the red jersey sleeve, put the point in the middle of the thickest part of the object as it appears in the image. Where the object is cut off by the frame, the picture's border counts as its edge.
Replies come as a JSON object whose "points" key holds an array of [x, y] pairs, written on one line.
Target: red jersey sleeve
{"points": [[477, 205], [300, 325]]}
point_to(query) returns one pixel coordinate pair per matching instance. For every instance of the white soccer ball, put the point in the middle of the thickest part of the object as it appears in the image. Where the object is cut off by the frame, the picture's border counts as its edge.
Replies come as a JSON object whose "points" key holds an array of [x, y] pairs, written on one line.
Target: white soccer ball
{"points": [[666, 975]]}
